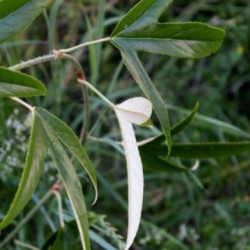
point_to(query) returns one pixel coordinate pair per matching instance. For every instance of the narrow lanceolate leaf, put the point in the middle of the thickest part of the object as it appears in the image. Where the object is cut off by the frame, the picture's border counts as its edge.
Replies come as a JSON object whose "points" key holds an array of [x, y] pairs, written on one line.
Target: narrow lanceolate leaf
{"points": [[18, 84], [31, 173], [154, 156], [152, 159], [157, 147], [70, 140], [140, 30], [212, 123], [210, 150], [136, 110], [70, 180], [155, 163], [135, 67], [185, 121], [15, 16]]}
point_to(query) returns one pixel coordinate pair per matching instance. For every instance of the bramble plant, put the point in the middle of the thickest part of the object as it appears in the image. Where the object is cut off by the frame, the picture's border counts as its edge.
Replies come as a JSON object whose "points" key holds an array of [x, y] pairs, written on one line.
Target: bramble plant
{"points": [[138, 31]]}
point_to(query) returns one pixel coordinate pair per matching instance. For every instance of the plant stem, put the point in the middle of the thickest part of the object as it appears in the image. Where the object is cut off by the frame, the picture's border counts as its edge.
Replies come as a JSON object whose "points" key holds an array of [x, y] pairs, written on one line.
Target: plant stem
{"points": [[25, 104], [89, 85], [32, 62], [51, 56], [22, 244], [106, 39], [59, 202], [75, 62], [80, 74], [86, 118], [27, 217], [60, 54], [42, 59]]}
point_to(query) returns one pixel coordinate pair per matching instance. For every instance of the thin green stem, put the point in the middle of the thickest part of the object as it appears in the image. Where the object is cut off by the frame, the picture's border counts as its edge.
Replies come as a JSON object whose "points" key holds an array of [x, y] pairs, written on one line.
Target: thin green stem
{"points": [[60, 54], [59, 202], [26, 218], [89, 85], [80, 74], [106, 39], [22, 244], [75, 62], [86, 118]]}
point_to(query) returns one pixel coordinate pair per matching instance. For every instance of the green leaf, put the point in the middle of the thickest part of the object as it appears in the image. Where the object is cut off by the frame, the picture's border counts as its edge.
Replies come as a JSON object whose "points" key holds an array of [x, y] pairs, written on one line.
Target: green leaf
{"points": [[187, 40], [18, 84], [16, 15], [185, 121], [154, 8], [212, 123], [31, 173], [157, 147], [70, 180], [140, 30], [153, 162], [135, 67], [70, 140], [210, 150], [154, 157], [63, 239], [8, 6]]}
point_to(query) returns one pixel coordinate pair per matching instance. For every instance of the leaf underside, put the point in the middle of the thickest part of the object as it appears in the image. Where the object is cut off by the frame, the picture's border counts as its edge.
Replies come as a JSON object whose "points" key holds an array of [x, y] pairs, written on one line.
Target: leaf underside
{"points": [[136, 110]]}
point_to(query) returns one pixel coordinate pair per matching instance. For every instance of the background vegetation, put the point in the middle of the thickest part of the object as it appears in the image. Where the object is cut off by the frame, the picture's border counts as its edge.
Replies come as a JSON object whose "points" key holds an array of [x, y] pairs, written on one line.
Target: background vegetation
{"points": [[177, 213]]}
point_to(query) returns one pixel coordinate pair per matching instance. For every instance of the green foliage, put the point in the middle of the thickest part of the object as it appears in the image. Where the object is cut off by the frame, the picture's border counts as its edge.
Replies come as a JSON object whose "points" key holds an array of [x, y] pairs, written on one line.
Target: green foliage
{"points": [[19, 84], [69, 178], [64, 238], [178, 127], [31, 173], [139, 30], [70, 140], [172, 179], [14, 16]]}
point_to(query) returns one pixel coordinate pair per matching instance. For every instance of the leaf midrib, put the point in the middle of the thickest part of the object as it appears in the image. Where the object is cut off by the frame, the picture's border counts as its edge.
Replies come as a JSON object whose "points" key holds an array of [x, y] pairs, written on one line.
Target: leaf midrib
{"points": [[164, 39]]}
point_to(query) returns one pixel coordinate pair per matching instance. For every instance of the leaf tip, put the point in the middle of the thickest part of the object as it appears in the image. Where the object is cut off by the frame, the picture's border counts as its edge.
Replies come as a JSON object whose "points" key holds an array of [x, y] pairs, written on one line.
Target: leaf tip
{"points": [[96, 197]]}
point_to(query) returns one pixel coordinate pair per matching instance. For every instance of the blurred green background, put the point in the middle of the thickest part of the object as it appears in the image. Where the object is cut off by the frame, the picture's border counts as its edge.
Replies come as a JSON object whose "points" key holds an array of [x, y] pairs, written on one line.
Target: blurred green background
{"points": [[177, 213]]}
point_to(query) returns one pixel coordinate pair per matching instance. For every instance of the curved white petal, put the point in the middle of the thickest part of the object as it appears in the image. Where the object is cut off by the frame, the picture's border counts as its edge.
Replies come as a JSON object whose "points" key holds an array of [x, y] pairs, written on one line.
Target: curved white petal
{"points": [[136, 110]]}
